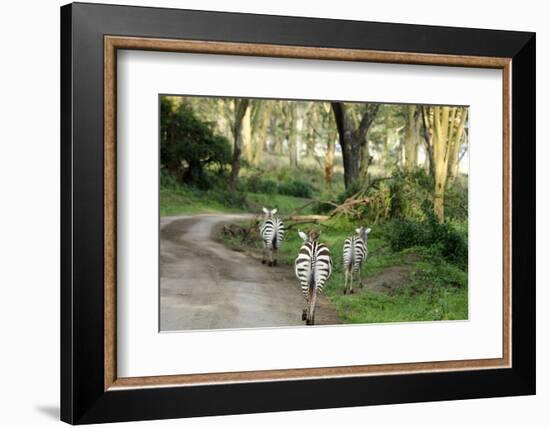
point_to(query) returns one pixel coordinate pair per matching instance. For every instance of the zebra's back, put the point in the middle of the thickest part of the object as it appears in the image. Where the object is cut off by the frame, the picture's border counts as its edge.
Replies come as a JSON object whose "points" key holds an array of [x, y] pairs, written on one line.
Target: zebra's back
{"points": [[272, 232], [355, 252], [313, 266]]}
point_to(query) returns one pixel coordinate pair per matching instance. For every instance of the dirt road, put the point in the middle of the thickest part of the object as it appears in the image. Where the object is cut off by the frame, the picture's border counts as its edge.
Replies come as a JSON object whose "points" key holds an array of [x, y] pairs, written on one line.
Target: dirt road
{"points": [[205, 285]]}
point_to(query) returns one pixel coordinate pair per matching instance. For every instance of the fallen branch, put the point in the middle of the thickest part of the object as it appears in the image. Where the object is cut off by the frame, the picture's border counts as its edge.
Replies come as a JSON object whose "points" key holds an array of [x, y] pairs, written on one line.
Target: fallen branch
{"points": [[311, 202], [348, 206], [306, 217]]}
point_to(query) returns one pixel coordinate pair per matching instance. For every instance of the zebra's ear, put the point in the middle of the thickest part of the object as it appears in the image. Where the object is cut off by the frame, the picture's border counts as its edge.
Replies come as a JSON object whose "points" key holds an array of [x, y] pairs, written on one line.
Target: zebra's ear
{"points": [[358, 230], [273, 211], [265, 210], [368, 231], [302, 235]]}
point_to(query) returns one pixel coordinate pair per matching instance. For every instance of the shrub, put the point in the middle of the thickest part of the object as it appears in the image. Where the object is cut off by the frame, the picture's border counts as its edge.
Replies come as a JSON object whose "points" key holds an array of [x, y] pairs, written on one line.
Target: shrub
{"points": [[257, 184], [411, 194], [444, 239], [456, 200], [298, 188], [233, 199], [407, 233], [452, 245], [167, 180]]}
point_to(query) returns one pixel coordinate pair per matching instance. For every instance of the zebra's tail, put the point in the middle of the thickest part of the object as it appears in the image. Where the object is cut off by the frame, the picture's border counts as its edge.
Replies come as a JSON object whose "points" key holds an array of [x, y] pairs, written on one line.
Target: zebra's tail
{"points": [[274, 242], [311, 281], [350, 264]]}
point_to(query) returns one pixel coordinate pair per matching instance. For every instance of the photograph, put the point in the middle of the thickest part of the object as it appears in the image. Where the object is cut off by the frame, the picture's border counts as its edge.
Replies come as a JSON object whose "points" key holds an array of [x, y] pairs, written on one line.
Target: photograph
{"points": [[280, 213]]}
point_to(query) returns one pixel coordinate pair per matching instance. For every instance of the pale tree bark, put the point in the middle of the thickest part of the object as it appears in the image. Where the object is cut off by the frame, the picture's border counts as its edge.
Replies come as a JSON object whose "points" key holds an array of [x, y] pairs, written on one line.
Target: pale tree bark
{"points": [[452, 170], [277, 134], [299, 111], [412, 136], [260, 132], [292, 143], [387, 140], [310, 143], [328, 135], [352, 140], [241, 107], [447, 124], [329, 158], [428, 145], [246, 135], [298, 122]]}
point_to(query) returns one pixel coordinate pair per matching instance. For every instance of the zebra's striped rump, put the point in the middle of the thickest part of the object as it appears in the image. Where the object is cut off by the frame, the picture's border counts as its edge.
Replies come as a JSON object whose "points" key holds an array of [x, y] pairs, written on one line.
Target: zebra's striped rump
{"points": [[313, 267], [272, 232], [355, 252]]}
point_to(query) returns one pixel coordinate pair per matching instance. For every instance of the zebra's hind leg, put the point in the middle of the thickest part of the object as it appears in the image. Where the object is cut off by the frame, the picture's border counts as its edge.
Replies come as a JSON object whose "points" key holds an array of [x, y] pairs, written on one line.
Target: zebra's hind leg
{"points": [[310, 320], [263, 254], [304, 314], [270, 263], [345, 280], [361, 279]]}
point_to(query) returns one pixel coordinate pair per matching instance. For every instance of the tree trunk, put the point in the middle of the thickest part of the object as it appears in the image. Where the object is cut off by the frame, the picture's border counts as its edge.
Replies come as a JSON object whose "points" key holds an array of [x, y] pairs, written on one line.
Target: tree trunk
{"points": [[193, 174], [292, 149], [439, 207], [412, 131], [352, 140], [428, 146], [350, 157], [295, 140], [246, 136], [441, 126], [365, 162], [329, 158], [452, 168], [261, 132], [387, 140], [447, 126], [310, 144], [241, 107]]}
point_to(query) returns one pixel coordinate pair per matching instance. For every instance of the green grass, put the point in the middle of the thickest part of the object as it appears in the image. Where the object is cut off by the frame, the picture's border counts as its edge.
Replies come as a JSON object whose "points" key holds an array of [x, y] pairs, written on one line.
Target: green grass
{"points": [[285, 204], [186, 200], [429, 305]]}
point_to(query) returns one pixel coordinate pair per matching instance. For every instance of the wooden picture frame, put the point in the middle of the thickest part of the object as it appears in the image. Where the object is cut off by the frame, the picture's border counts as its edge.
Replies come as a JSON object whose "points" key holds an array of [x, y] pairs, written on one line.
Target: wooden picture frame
{"points": [[91, 390]]}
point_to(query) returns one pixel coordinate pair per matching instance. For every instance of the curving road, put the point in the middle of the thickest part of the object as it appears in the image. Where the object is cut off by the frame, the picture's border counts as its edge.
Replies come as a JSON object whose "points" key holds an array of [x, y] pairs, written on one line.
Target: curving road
{"points": [[205, 285]]}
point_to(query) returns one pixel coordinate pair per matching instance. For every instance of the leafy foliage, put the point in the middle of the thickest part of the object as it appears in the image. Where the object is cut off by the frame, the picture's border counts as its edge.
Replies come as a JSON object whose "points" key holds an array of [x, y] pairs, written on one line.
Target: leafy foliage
{"points": [[256, 184], [442, 238], [298, 188], [189, 145]]}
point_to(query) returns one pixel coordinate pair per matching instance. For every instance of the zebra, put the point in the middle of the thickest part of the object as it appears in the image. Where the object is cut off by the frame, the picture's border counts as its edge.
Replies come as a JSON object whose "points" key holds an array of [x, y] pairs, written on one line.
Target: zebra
{"points": [[355, 253], [313, 267], [271, 232]]}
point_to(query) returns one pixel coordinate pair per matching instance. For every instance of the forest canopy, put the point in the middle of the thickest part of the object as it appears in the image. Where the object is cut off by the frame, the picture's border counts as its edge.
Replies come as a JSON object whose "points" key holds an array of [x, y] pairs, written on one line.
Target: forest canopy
{"points": [[377, 161]]}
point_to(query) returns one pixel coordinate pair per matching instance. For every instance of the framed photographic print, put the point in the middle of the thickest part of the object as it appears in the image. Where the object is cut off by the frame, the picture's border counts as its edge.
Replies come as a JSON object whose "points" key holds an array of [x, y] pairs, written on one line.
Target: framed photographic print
{"points": [[255, 207]]}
